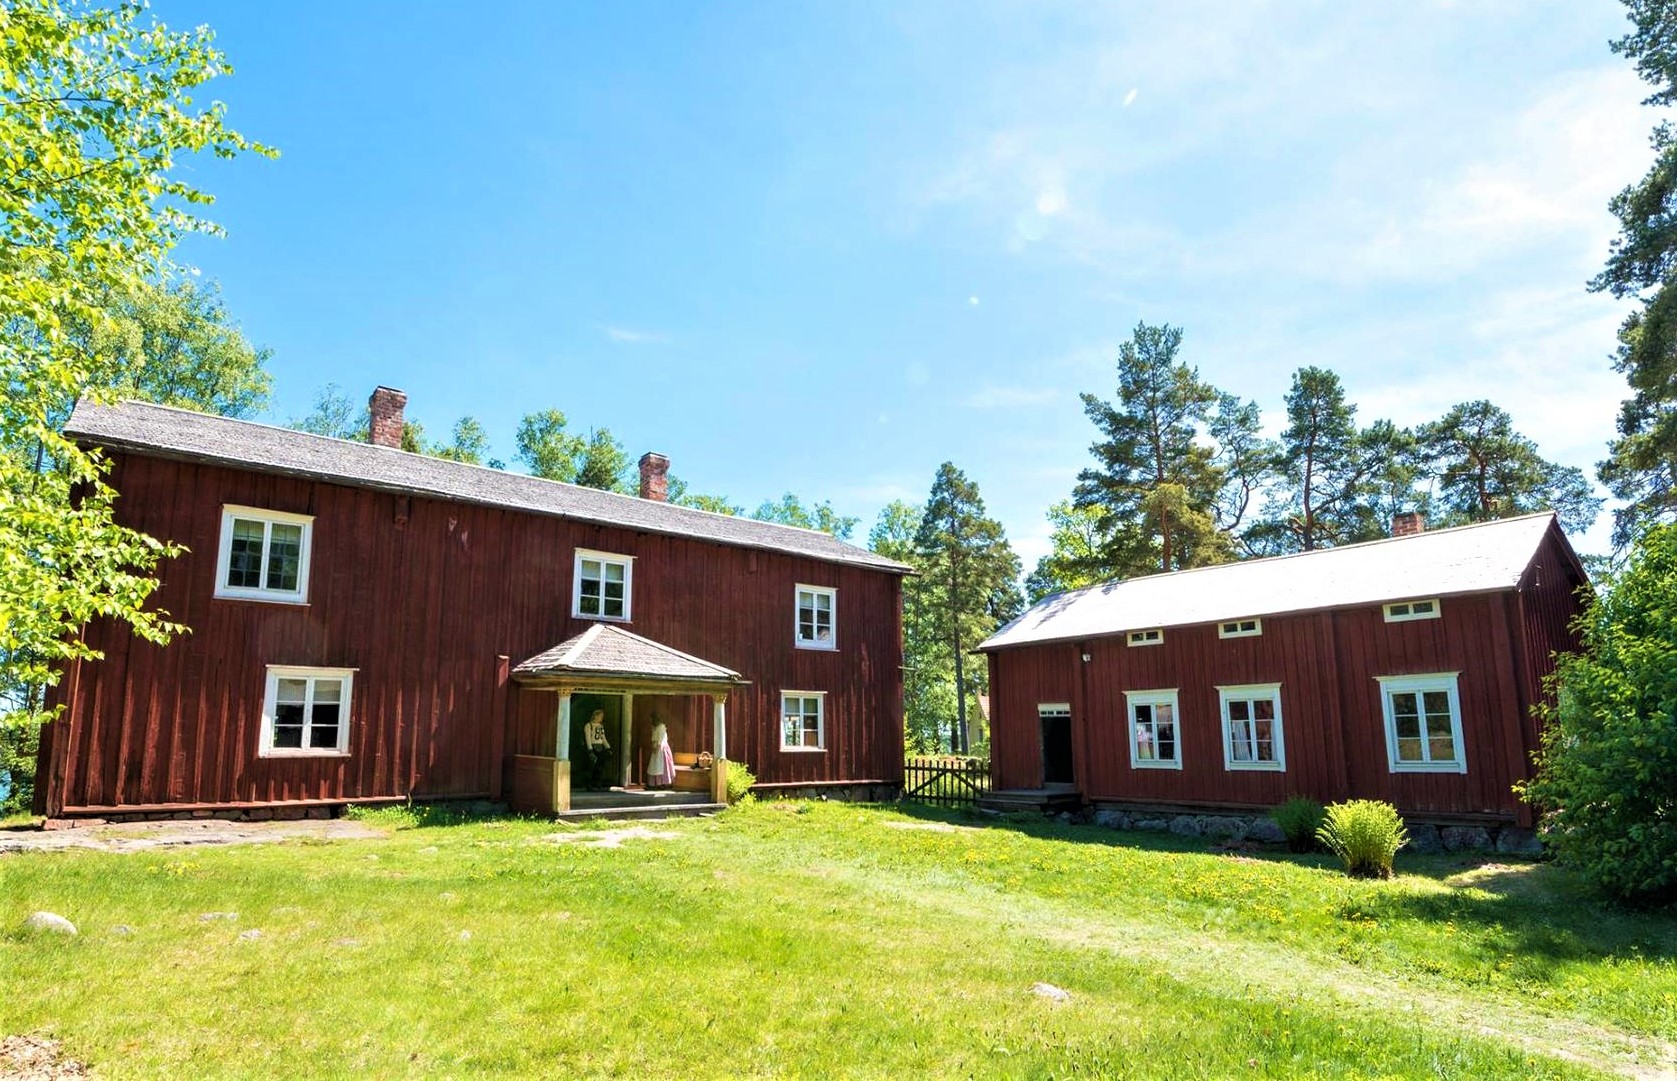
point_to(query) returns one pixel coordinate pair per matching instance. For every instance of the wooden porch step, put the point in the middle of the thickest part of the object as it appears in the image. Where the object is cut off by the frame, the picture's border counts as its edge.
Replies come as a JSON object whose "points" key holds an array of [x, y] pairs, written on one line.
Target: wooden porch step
{"points": [[640, 813], [1046, 801]]}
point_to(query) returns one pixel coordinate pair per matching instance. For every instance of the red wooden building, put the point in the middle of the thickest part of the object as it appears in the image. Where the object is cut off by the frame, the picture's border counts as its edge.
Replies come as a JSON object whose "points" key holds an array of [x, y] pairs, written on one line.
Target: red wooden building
{"points": [[369, 624], [1402, 669]]}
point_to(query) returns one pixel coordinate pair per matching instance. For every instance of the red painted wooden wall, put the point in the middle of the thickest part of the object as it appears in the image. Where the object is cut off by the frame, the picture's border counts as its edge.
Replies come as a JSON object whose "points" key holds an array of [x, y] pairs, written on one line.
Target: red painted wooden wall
{"points": [[1327, 663], [424, 597]]}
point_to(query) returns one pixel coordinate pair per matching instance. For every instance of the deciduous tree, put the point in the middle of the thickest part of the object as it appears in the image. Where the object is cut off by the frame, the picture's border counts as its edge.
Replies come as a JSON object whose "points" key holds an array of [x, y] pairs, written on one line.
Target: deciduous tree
{"points": [[790, 510], [1078, 555], [175, 343]]}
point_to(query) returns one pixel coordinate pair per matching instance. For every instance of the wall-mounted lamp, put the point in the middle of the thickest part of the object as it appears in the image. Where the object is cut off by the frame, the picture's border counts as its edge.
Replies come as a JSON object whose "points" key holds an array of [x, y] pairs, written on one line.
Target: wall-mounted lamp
{"points": [[1085, 658]]}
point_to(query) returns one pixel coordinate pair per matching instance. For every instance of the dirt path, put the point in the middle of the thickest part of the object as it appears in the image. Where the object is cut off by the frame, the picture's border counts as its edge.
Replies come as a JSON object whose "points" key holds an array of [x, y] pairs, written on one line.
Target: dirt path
{"points": [[147, 836]]}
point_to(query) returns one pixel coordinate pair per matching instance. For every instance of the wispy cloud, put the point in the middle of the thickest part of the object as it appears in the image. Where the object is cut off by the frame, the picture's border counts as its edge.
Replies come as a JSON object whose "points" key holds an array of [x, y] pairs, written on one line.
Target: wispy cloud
{"points": [[998, 397], [631, 336]]}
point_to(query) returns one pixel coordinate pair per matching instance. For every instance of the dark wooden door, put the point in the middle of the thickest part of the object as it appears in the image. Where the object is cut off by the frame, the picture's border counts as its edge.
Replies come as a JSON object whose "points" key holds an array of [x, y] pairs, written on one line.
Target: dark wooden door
{"points": [[1056, 748]]}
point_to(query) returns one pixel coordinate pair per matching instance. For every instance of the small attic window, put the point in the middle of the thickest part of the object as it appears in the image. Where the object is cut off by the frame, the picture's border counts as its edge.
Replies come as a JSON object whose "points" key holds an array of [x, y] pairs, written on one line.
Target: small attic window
{"points": [[1402, 611], [1240, 628], [1152, 637]]}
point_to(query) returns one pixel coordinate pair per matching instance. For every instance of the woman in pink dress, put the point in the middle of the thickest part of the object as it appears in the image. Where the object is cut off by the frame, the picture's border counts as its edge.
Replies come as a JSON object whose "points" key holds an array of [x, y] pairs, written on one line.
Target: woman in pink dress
{"points": [[660, 766]]}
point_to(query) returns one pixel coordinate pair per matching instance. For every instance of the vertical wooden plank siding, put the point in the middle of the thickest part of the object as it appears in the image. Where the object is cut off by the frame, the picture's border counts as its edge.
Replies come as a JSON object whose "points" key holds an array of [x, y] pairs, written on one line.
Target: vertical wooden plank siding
{"points": [[422, 598], [1328, 664]]}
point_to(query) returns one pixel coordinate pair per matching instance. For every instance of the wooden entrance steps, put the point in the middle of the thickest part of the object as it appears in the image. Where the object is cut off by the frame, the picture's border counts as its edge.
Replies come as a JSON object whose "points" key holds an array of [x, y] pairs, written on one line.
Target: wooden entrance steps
{"points": [[1043, 800], [632, 804]]}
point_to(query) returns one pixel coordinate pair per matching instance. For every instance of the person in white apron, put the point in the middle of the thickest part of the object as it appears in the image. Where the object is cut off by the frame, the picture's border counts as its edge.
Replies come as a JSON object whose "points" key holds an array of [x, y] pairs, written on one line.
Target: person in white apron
{"points": [[660, 765]]}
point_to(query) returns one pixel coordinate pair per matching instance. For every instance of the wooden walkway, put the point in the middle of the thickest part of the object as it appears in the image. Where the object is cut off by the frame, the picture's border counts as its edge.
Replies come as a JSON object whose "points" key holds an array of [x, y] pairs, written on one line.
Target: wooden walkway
{"points": [[625, 804]]}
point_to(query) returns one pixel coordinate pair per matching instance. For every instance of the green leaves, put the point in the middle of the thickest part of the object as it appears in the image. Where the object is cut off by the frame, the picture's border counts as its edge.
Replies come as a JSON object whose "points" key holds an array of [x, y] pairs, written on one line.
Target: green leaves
{"points": [[95, 114]]}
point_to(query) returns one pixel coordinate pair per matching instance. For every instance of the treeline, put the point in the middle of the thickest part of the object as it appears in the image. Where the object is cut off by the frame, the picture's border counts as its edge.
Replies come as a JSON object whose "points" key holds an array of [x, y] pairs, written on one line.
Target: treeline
{"points": [[1184, 476]]}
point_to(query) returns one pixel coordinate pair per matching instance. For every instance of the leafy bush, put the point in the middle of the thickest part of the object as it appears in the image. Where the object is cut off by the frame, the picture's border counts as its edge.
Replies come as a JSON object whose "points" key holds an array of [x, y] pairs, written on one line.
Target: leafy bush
{"points": [[740, 780], [1607, 766], [1299, 818], [1365, 834]]}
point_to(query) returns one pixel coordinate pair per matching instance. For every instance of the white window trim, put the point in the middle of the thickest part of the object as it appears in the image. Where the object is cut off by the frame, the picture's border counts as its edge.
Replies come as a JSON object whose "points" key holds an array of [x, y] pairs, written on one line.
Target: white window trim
{"points": [[1139, 638], [1405, 617], [1165, 697], [798, 639], [1248, 691], [1053, 709], [1432, 681], [276, 672], [628, 563], [224, 555], [1224, 632], [820, 722]]}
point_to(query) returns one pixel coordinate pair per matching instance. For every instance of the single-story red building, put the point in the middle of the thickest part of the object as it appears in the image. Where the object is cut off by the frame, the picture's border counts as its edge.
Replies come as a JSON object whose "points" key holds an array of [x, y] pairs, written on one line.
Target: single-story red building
{"points": [[369, 624], [1402, 669]]}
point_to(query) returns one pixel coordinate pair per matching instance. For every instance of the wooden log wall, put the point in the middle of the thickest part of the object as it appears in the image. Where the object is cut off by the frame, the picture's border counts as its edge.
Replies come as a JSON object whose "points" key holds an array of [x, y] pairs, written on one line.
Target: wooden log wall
{"points": [[430, 601]]}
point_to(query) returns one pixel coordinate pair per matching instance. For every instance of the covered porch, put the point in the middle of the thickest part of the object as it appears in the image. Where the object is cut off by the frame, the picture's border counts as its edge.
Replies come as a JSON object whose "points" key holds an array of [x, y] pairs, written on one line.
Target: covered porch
{"points": [[613, 697]]}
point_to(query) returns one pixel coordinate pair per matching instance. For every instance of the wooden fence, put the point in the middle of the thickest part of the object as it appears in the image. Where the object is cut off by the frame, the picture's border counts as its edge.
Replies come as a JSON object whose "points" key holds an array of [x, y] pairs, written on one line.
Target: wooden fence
{"points": [[946, 780]]}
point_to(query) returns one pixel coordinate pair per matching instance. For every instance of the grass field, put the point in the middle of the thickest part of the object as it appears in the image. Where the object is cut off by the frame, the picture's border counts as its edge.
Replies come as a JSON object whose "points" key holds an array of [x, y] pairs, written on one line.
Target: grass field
{"points": [[813, 940]]}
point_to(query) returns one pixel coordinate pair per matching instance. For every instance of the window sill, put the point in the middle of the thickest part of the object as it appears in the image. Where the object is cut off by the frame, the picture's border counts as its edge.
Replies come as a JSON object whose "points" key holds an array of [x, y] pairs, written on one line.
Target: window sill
{"points": [[1427, 767], [1255, 767], [264, 598], [804, 750], [1138, 763], [601, 619], [815, 648], [303, 754]]}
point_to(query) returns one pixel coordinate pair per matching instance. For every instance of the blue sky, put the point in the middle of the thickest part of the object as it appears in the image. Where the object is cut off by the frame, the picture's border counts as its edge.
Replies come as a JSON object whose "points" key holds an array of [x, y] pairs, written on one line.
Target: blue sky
{"points": [[824, 247]]}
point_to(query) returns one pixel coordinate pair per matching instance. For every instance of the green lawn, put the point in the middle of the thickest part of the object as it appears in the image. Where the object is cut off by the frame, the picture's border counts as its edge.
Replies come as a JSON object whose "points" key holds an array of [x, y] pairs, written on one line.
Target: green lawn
{"points": [[820, 939]]}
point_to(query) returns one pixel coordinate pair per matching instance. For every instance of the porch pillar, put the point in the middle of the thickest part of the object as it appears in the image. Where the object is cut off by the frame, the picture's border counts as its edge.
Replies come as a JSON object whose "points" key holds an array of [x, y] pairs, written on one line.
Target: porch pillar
{"points": [[719, 725], [563, 751], [628, 737]]}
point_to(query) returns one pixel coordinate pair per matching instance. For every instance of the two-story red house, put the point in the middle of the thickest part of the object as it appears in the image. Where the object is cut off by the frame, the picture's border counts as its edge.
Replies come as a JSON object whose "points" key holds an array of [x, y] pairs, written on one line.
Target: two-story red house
{"points": [[369, 624], [1402, 669]]}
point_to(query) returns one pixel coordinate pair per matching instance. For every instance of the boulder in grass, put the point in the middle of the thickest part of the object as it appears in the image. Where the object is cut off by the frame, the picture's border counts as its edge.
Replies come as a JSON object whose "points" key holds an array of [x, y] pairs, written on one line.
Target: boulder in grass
{"points": [[50, 923], [1266, 830], [1050, 992]]}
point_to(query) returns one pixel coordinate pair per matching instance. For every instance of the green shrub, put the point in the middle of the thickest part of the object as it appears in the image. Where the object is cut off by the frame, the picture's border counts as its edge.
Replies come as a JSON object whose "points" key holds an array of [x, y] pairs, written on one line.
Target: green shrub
{"points": [[1299, 818], [1365, 834], [1607, 766], [740, 780]]}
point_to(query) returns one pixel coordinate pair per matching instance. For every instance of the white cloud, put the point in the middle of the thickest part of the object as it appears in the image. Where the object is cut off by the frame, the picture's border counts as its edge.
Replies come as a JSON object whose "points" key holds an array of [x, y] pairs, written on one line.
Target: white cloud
{"points": [[630, 336], [1129, 99]]}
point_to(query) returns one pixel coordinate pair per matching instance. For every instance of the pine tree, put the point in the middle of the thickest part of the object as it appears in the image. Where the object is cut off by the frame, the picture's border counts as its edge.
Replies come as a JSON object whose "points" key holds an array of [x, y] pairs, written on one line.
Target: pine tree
{"points": [[1486, 470]]}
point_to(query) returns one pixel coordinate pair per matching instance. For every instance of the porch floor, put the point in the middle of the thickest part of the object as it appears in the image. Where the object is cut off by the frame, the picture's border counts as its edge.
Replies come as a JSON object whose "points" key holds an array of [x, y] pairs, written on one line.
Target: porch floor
{"points": [[620, 803], [1051, 799]]}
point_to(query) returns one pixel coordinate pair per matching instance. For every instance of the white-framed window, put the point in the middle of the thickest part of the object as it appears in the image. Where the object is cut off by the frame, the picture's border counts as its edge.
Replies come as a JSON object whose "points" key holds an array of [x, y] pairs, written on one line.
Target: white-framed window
{"points": [[1402, 611], [1152, 637], [1240, 628], [306, 711], [816, 617], [1252, 737], [604, 585], [803, 720], [1154, 735], [1423, 723], [264, 555]]}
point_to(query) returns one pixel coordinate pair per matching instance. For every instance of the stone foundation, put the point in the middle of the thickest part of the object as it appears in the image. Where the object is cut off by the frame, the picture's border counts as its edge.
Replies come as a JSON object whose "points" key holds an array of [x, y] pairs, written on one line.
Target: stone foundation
{"points": [[847, 791], [1506, 839]]}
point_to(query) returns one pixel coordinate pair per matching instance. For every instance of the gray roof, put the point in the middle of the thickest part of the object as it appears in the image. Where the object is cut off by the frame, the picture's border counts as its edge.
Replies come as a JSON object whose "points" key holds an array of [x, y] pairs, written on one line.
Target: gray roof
{"points": [[605, 650], [1437, 563], [167, 432]]}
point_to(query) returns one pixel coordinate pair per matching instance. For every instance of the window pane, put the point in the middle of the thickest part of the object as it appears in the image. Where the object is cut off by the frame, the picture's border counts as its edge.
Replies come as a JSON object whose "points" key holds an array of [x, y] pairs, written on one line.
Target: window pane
{"points": [[285, 556], [1421, 608], [591, 569], [288, 723], [1240, 741], [612, 606], [328, 690], [1437, 703], [293, 691], [588, 604], [323, 731], [789, 737], [1240, 711], [1405, 717], [244, 563], [614, 573], [1441, 748], [1167, 741], [1409, 750], [1264, 709]]}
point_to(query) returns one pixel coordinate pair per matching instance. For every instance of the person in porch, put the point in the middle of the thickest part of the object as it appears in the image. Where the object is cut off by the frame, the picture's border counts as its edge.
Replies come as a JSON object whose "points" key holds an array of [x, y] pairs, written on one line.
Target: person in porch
{"points": [[598, 747], [660, 766]]}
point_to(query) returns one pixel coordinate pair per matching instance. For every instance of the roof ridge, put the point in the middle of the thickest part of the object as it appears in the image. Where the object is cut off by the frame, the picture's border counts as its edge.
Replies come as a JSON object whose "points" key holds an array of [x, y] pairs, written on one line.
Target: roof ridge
{"points": [[580, 643]]}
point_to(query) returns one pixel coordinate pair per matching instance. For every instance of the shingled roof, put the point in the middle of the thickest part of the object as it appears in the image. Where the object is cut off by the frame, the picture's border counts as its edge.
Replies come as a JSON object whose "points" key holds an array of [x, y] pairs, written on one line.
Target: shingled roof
{"points": [[607, 651], [1439, 563], [163, 431]]}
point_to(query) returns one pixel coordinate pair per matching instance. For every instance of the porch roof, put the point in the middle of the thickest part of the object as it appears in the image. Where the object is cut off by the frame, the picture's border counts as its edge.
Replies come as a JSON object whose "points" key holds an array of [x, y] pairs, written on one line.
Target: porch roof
{"points": [[605, 653]]}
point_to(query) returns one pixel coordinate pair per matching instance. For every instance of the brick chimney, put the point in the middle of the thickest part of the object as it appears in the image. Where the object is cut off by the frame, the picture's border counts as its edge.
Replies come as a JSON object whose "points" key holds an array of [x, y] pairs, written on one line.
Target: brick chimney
{"points": [[1408, 523], [385, 421], [655, 477]]}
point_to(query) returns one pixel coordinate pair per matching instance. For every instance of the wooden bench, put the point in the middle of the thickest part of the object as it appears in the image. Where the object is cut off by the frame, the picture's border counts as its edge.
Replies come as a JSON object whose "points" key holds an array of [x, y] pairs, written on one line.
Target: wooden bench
{"points": [[689, 775]]}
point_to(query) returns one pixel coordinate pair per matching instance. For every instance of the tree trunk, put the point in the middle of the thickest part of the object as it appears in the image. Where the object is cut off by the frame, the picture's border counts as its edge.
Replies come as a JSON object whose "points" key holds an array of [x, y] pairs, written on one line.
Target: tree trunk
{"points": [[958, 737]]}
